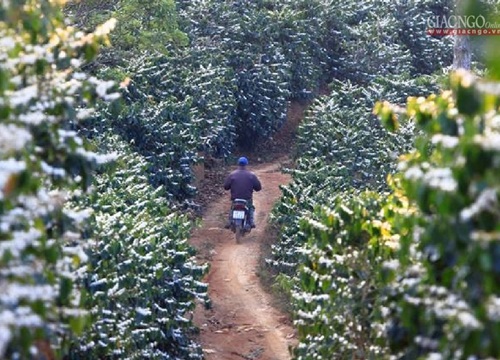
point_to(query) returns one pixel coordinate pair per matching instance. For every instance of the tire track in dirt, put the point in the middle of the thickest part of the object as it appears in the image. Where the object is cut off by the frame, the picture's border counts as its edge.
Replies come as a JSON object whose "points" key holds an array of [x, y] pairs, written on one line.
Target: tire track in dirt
{"points": [[241, 324]]}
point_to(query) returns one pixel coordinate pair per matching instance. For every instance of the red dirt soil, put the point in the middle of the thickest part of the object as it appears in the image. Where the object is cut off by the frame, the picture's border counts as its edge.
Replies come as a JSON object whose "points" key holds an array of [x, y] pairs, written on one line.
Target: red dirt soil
{"points": [[241, 324]]}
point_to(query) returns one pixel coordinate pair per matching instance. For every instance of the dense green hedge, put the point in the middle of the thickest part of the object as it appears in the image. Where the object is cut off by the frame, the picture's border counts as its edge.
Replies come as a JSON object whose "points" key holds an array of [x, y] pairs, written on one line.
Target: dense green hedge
{"points": [[381, 38], [336, 302], [229, 84], [43, 94], [249, 39], [411, 273], [214, 75], [283, 35], [337, 232], [342, 146], [125, 292], [141, 278], [443, 286]]}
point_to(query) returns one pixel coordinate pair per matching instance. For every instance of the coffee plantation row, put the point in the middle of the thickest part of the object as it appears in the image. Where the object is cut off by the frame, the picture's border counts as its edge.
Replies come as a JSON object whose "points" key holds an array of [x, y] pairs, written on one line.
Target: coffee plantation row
{"points": [[227, 82], [43, 160], [91, 266], [389, 238], [410, 272]]}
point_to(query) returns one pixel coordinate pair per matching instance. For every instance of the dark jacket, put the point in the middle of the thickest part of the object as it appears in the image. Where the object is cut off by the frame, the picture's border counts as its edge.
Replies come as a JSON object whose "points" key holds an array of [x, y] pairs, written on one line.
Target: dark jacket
{"points": [[242, 184]]}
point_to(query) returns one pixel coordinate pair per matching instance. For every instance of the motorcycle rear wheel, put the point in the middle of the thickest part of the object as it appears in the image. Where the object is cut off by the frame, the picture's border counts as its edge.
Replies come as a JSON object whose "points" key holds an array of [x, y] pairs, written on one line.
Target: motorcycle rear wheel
{"points": [[238, 234]]}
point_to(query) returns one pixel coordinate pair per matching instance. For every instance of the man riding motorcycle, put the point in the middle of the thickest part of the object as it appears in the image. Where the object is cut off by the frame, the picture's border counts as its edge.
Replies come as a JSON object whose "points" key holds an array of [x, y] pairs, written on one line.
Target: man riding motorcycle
{"points": [[242, 184]]}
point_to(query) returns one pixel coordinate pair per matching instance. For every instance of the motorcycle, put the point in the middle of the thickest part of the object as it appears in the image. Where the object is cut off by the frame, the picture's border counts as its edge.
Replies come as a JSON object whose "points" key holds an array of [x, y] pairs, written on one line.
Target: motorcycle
{"points": [[240, 220]]}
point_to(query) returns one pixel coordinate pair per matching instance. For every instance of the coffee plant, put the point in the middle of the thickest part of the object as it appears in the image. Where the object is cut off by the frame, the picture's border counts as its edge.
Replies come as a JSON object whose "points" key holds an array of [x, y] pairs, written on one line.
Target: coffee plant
{"points": [[444, 288], [427, 54], [212, 93], [141, 27], [335, 239], [259, 55], [197, 78], [261, 74], [379, 38], [342, 146], [141, 279], [43, 95], [158, 125], [283, 36], [173, 117], [261, 107], [339, 294]]}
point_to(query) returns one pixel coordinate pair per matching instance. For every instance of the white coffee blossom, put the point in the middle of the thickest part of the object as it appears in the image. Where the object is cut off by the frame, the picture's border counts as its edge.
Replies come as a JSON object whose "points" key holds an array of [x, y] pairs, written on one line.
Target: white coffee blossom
{"points": [[414, 173], [441, 178], [23, 96], [33, 118], [486, 201], [445, 140], [468, 320], [489, 142], [434, 356], [13, 138], [7, 43]]}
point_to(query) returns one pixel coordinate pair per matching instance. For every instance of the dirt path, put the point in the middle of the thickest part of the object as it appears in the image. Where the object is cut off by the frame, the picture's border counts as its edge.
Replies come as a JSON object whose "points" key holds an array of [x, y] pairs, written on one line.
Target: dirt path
{"points": [[241, 323]]}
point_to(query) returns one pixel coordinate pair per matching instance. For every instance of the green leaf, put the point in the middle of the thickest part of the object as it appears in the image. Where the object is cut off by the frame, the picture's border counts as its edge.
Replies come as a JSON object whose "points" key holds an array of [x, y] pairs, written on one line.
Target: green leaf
{"points": [[52, 254], [4, 85], [65, 289], [78, 324], [468, 102]]}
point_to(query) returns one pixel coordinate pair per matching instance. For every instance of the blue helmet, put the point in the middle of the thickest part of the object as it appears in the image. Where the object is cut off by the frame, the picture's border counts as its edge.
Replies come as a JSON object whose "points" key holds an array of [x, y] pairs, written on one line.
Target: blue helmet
{"points": [[242, 161]]}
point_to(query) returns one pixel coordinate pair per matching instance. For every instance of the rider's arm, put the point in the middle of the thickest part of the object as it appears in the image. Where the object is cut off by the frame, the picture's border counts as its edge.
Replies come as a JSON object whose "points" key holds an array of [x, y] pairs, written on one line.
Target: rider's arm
{"points": [[257, 186], [227, 183]]}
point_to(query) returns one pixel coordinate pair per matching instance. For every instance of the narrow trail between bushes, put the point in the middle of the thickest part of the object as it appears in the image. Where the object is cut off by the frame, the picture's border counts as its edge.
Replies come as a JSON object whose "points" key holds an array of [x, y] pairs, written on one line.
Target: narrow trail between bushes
{"points": [[242, 322]]}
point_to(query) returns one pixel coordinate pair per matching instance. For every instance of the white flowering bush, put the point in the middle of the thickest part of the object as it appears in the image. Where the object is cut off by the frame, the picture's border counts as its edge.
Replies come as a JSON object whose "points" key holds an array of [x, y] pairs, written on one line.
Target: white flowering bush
{"points": [[230, 83], [443, 288], [331, 253], [332, 218], [43, 95], [342, 146], [381, 38], [155, 118], [141, 278], [173, 111], [282, 36], [338, 300], [343, 149], [412, 274]]}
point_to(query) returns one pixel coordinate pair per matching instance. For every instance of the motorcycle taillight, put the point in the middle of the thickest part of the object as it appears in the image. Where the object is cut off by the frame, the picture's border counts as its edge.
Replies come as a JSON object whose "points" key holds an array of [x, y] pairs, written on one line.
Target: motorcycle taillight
{"points": [[239, 207]]}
